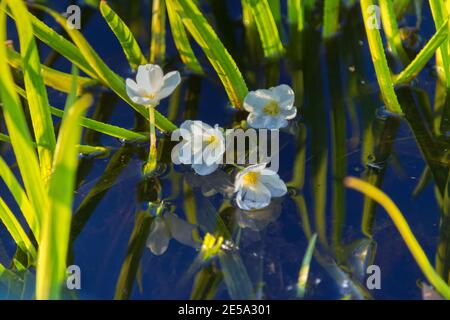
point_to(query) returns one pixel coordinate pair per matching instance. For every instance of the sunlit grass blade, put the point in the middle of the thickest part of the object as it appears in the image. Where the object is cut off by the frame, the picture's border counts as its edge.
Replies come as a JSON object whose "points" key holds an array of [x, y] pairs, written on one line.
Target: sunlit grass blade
{"points": [[158, 41], [252, 38], [51, 266], [54, 40], [129, 44], [181, 40], [400, 7], [53, 78], [215, 51], [330, 18], [18, 130], [379, 59], [439, 14], [20, 196], [267, 28], [304, 270], [296, 16], [35, 89], [83, 149], [92, 150], [421, 59], [105, 128], [275, 8], [15, 229], [405, 231], [391, 31], [105, 74]]}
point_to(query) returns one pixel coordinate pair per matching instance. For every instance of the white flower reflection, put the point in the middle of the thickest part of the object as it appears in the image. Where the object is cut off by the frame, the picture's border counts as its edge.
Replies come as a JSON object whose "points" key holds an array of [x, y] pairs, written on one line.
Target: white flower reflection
{"points": [[256, 185], [258, 220], [166, 227], [270, 108], [217, 182], [151, 85], [202, 147]]}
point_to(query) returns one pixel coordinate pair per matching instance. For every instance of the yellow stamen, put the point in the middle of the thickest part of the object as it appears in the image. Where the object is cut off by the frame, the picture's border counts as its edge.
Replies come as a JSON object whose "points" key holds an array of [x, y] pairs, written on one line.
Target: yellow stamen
{"points": [[272, 108], [150, 95], [251, 178], [211, 139]]}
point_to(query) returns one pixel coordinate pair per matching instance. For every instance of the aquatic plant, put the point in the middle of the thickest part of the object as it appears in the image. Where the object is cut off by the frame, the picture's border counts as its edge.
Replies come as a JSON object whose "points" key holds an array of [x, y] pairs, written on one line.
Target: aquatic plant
{"points": [[405, 231], [150, 87], [270, 108], [255, 186], [202, 146], [166, 227]]}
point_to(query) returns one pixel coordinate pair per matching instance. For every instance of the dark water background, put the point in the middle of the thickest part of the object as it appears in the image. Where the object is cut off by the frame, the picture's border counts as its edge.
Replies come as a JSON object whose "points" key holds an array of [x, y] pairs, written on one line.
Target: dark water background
{"points": [[277, 251]]}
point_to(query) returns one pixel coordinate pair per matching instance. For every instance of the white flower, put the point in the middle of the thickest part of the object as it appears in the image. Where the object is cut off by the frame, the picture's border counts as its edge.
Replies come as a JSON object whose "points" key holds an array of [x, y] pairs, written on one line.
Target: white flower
{"points": [[202, 146], [256, 185], [167, 227], [151, 85], [270, 108]]}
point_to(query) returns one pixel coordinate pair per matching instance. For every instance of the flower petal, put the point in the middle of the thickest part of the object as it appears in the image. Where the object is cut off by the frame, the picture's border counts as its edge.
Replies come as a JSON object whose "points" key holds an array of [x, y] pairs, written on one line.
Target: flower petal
{"points": [[285, 95], [171, 81], [180, 230], [133, 90], [273, 183], [290, 113], [213, 152], [255, 101], [254, 197], [258, 121], [150, 78], [159, 237], [135, 93], [262, 121], [259, 167]]}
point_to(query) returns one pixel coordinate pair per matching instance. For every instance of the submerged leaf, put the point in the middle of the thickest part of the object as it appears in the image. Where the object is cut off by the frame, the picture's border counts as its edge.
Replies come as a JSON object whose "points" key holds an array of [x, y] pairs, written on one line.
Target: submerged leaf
{"points": [[129, 44]]}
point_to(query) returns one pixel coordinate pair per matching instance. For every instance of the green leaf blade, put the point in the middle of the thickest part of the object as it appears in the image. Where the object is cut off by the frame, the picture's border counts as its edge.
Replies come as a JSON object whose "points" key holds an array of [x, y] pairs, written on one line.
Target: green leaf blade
{"points": [[181, 40], [129, 44], [35, 88], [51, 266], [267, 28], [20, 137], [217, 54]]}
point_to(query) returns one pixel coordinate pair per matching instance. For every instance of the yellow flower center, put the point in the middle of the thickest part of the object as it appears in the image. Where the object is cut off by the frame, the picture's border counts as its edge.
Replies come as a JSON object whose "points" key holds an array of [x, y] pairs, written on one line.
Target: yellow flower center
{"points": [[272, 108], [212, 138], [251, 178], [150, 95]]}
